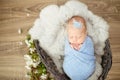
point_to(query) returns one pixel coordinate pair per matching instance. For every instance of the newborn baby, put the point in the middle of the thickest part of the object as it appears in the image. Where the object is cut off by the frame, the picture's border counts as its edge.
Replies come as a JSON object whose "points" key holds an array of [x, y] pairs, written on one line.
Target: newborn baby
{"points": [[79, 60]]}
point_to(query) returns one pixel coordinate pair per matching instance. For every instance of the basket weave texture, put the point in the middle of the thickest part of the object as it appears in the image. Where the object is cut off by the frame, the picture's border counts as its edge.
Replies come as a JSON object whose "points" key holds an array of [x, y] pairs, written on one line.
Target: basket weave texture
{"points": [[51, 67]]}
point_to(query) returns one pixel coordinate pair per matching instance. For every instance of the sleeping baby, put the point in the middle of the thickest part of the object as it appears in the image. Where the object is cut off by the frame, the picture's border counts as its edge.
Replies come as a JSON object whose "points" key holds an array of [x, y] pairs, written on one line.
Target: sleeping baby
{"points": [[79, 60]]}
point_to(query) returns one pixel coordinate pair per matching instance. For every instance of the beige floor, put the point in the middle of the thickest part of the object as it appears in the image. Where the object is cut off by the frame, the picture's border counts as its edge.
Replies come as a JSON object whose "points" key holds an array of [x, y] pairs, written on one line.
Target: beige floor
{"points": [[13, 15]]}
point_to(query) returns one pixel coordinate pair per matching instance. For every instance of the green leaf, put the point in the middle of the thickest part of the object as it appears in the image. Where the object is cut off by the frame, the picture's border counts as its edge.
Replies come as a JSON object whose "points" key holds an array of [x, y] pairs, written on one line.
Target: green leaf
{"points": [[28, 37]]}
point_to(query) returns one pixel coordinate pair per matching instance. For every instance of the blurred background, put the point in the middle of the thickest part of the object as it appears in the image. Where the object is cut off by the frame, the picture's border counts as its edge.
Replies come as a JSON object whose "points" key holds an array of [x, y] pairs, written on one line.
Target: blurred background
{"points": [[18, 16]]}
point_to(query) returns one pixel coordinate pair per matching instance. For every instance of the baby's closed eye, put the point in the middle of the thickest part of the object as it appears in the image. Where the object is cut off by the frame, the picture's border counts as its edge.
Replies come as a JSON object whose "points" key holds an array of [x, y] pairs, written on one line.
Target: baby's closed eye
{"points": [[75, 37]]}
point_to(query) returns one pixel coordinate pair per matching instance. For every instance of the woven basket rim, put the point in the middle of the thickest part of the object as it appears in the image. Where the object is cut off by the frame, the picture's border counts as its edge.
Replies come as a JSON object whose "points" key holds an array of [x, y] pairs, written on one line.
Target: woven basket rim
{"points": [[106, 62]]}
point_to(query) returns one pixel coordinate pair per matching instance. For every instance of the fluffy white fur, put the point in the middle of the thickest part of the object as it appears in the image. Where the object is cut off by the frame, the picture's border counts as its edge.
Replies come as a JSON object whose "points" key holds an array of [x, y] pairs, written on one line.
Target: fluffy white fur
{"points": [[50, 30]]}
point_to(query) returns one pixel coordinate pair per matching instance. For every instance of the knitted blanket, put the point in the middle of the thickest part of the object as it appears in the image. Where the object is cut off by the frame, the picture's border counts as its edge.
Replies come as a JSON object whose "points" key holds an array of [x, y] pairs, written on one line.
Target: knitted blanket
{"points": [[79, 64]]}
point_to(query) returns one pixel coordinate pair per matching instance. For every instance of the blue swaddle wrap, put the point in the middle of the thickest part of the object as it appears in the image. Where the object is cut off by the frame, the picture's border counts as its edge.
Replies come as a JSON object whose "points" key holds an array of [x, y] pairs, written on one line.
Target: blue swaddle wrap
{"points": [[79, 65]]}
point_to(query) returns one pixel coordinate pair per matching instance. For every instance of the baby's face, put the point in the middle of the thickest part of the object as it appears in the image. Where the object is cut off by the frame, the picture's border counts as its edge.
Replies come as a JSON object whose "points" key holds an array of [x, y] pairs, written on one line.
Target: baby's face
{"points": [[76, 36]]}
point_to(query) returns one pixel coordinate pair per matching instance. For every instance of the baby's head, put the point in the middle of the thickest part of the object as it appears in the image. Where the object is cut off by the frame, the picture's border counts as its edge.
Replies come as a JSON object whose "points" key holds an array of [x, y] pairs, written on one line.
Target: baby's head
{"points": [[76, 23], [76, 29]]}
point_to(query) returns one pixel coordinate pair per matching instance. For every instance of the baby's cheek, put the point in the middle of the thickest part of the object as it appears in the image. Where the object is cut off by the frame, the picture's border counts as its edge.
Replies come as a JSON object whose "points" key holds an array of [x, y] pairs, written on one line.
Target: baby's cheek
{"points": [[70, 37]]}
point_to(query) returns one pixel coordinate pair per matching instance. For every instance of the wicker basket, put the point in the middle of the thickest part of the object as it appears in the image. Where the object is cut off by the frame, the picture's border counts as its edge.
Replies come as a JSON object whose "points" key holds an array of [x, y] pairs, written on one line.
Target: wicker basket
{"points": [[51, 67]]}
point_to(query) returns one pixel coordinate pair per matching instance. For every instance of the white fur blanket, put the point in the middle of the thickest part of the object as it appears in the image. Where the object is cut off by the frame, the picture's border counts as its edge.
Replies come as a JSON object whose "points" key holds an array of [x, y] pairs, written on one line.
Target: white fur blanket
{"points": [[50, 30]]}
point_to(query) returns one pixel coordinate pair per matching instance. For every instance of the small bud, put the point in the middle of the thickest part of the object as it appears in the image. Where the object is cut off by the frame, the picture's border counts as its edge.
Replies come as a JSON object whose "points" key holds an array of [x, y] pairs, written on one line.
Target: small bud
{"points": [[21, 43], [19, 31], [28, 14]]}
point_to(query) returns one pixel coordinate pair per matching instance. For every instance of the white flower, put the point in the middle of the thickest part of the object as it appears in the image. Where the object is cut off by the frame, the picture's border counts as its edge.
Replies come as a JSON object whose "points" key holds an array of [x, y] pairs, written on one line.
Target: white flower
{"points": [[43, 76], [31, 41], [28, 67], [35, 64], [29, 63], [28, 59], [27, 76], [34, 60], [27, 42], [32, 50]]}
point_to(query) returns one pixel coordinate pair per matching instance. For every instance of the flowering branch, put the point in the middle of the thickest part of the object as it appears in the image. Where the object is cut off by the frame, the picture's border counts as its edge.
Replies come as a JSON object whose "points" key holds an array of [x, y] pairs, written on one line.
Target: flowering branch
{"points": [[36, 69]]}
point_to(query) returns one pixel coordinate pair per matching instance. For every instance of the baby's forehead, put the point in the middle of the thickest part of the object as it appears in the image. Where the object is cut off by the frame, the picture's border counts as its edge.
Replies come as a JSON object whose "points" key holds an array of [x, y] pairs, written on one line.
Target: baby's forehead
{"points": [[76, 18]]}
